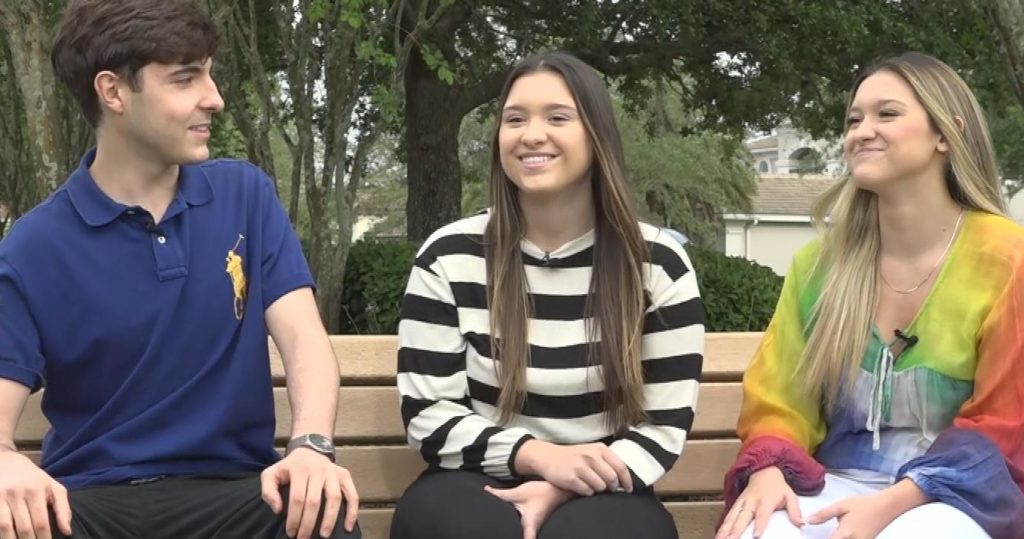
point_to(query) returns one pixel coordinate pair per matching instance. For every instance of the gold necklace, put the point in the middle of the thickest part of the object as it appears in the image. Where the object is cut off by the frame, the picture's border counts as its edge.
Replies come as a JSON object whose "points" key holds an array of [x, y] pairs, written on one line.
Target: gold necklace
{"points": [[935, 266]]}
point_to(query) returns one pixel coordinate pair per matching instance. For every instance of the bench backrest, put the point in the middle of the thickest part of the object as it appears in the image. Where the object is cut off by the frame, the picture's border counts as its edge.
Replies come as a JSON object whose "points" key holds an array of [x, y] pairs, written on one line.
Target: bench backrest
{"points": [[371, 439]]}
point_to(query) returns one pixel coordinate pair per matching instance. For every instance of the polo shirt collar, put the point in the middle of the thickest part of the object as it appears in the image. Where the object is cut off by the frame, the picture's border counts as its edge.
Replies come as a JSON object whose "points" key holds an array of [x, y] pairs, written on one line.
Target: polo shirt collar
{"points": [[98, 209]]}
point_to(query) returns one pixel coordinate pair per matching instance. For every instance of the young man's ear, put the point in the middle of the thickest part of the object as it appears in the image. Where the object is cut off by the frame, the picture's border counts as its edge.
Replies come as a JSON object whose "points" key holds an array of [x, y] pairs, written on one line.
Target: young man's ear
{"points": [[110, 89]]}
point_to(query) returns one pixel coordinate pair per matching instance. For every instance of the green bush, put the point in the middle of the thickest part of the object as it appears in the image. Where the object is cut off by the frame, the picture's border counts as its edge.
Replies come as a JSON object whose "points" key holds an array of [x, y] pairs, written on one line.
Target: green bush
{"points": [[375, 277], [739, 295]]}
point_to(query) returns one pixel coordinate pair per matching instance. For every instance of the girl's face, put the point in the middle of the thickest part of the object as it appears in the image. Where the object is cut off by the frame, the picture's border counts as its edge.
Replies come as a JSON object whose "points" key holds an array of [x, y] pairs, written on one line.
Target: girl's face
{"points": [[889, 135], [542, 142]]}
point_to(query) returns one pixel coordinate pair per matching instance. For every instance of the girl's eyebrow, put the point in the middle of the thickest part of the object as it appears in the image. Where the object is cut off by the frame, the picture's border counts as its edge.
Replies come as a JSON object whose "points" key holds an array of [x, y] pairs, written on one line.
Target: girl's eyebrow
{"points": [[881, 103], [548, 107]]}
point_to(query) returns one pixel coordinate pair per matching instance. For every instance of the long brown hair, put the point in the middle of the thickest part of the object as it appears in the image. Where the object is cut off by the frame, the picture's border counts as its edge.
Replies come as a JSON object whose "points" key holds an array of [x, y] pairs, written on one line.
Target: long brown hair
{"points": [[849, 256], [615, 306]]}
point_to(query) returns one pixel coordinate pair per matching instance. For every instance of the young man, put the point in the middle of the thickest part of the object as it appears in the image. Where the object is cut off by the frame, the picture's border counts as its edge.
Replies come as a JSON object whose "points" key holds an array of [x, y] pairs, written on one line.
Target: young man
{"points": [[141, 294]]}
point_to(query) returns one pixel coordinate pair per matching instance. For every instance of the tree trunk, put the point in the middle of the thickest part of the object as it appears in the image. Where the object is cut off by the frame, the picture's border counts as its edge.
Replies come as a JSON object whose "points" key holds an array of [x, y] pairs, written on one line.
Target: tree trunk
{"points": [[432, 146], [28, 37], [1006, 22]]}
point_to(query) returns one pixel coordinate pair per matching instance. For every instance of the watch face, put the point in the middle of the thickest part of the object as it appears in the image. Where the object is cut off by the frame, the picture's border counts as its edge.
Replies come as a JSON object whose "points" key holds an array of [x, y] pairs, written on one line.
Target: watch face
{"points": [[320, 443]]}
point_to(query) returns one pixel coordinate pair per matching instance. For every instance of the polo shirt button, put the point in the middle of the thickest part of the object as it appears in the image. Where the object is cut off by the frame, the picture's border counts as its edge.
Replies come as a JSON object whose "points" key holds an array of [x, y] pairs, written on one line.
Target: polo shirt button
{"points": [[130, 212], [161, 240]]}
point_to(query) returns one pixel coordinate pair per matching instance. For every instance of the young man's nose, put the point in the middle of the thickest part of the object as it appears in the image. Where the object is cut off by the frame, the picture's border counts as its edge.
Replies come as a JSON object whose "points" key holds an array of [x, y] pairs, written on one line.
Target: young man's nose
{"points": [[213, 101]]}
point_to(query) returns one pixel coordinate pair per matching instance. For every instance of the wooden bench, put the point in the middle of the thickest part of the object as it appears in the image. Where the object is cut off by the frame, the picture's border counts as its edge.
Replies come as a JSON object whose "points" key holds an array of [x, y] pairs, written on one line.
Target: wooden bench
{"points": [[371, 440]]}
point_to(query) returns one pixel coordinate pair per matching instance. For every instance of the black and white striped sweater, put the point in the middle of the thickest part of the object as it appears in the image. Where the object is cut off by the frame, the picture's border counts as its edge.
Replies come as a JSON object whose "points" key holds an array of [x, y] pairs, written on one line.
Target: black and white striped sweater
{"points": [[448, 382]]}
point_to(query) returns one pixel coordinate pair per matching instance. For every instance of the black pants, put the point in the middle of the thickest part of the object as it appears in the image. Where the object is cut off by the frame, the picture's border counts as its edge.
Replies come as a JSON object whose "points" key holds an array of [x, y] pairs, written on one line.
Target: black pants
{"points": [[183, 508], [454, 505]]}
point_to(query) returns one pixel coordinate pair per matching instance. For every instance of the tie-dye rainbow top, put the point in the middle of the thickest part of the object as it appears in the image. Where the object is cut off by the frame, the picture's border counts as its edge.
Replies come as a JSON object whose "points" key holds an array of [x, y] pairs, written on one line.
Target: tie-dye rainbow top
{"points": [[948, 412]]}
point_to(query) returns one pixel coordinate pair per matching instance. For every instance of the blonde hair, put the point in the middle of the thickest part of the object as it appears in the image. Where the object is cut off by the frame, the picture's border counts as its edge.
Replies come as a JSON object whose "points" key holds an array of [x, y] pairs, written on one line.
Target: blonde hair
{"points": [[848, 263], [615, 306]]}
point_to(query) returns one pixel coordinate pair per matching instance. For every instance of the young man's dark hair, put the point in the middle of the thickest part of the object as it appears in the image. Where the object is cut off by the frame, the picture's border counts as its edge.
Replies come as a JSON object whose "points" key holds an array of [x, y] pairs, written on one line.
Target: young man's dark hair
{"points": [[123, 36], [141, 294]]}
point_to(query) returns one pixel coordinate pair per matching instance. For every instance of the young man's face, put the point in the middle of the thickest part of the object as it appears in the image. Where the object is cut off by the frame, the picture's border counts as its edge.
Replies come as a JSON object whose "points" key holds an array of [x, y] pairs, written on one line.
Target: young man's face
{"points": [[169, 115]]}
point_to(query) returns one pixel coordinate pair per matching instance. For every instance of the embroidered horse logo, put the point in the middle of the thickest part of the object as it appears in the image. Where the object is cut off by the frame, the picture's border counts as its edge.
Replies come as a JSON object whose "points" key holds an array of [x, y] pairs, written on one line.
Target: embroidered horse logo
{"points": [[237, 274]]}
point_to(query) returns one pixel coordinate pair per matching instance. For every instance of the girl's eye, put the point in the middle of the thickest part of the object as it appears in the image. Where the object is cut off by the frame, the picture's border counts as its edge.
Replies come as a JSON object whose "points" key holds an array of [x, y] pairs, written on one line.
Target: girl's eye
{"points": [[888, 113], [559, 118], [852, 121], [514, 120]]}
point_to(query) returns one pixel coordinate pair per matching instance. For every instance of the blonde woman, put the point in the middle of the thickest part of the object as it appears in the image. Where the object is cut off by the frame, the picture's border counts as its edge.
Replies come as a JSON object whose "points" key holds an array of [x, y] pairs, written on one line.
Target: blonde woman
{"points": [[887, 397], [549, 348]]}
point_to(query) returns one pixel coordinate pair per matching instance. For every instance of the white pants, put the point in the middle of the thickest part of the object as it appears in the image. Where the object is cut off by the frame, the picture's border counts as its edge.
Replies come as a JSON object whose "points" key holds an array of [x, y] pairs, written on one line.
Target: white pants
{"points": [[931, 521]]}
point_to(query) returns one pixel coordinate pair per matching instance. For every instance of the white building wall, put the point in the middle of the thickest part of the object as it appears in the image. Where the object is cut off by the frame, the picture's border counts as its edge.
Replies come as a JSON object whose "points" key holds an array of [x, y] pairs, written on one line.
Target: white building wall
{"points": [[774, 244], [1017, 207], [735, 239]]}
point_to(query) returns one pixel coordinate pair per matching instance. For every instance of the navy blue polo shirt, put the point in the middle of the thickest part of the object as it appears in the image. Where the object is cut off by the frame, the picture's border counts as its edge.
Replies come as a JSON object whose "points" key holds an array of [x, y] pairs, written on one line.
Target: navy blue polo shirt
{"points": [[150, 337]]}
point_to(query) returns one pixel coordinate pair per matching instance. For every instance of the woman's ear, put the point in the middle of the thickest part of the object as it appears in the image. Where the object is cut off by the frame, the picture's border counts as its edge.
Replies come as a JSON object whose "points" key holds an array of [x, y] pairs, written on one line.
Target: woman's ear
{"points": [[943, 145]]}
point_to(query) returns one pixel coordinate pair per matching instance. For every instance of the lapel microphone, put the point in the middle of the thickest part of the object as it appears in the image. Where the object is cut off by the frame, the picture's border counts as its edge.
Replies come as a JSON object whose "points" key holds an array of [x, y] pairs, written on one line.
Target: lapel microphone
{"points": [[908, 340]]}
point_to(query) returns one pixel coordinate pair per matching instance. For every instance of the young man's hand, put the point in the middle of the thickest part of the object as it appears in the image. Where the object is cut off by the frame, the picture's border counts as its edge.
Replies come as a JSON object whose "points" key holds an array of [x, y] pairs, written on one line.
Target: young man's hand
{"points": [[26, 491], [535, 501], [310, 477]]}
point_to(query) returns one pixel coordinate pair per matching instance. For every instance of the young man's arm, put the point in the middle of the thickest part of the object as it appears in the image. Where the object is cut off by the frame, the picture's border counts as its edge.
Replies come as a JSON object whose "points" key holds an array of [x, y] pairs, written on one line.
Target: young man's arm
{"points": [[309, 362], [12, 402], [25, 489], [313, 381]]}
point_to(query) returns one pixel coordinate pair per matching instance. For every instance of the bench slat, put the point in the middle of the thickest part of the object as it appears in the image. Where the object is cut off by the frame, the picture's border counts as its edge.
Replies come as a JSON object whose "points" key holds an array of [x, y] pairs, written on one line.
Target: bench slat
{"points": [[371, 359], [371, 414]]}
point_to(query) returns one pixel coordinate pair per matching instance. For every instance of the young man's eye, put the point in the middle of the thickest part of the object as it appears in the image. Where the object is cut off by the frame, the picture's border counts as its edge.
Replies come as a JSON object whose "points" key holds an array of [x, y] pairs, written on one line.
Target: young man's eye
{"points": [[183, 81]]}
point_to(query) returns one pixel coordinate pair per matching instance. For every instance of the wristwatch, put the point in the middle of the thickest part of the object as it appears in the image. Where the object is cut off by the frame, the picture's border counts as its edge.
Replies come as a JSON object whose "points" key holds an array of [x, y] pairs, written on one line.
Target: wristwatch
{"points": [[317, 442]]}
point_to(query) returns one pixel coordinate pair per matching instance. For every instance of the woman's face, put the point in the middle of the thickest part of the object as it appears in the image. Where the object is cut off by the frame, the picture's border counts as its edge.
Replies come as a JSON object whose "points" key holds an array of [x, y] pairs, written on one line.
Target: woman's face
{"points": [[543, 145], [888, 134]]}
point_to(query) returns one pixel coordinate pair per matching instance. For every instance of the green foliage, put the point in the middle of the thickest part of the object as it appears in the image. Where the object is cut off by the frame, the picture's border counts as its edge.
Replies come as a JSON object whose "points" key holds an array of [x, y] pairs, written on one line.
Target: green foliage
{"points": [[225, 139], [375, 277], [686, 182], [436, 61], [475, 158], [738, 295], [1007, 126]]}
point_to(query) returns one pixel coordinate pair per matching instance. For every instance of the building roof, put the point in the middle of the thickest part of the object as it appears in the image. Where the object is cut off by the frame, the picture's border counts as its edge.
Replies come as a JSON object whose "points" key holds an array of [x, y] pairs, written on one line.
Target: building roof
{"points": [[788, 194], [763, 143]]}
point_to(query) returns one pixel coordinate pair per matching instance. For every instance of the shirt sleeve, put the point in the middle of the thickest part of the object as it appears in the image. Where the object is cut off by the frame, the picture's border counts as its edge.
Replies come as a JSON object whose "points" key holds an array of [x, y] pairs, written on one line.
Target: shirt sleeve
{"points": [[433, 386], [672, 356], [21, 357], [977, 465], [283, 266], [778, 424]]}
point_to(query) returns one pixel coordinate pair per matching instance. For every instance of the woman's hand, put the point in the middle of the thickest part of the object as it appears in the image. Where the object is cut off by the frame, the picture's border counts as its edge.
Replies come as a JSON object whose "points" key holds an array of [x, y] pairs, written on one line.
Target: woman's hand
{"points": [[766, 492], [535, 501], [584, 469], [864, 517]]}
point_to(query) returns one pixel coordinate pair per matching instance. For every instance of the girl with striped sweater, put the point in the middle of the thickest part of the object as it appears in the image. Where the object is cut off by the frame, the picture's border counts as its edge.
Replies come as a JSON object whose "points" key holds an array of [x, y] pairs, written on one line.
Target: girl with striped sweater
{"points": [[550, 348]]}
